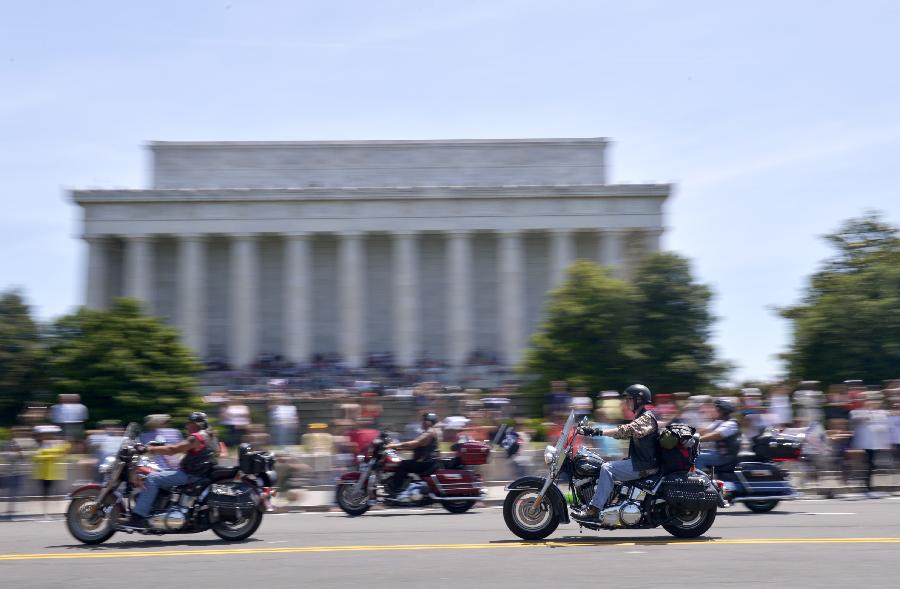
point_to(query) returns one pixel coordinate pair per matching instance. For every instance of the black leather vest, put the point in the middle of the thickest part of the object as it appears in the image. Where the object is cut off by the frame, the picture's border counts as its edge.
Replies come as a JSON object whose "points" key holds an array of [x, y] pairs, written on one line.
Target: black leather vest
{"points": [[731, 445], [429, 451], [643, 451], [204, 459]]}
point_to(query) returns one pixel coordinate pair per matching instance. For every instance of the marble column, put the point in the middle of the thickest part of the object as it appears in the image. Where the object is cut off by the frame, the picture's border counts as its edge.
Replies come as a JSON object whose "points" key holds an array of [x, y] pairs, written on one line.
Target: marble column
{"points": [[244, 282], [351, 277], [652, 241], [406, 298], [190, 304], [298, 297], [459, 290], [562, 253], [139, 270], [511, 296], [612, 249], [96, 291]]}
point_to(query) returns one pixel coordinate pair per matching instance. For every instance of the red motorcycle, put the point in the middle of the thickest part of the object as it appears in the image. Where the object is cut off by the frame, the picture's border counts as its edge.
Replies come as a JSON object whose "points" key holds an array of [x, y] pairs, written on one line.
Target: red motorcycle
{"points": [[452, 482]]}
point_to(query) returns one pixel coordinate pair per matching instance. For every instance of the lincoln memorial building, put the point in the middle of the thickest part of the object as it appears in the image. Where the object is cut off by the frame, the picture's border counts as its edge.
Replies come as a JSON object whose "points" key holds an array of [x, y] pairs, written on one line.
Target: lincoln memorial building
{"points": [[420, 249]]}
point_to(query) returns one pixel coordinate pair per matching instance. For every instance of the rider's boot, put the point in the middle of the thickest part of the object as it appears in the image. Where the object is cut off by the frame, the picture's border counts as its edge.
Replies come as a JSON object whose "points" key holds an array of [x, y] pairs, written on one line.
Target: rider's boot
{"points": [[586, 513], [136, 521]]}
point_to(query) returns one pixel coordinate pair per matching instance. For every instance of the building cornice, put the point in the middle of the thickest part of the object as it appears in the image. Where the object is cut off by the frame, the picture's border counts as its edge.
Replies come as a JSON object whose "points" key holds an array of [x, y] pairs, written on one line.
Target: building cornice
{"points": [[393, 193], [574, 141]]}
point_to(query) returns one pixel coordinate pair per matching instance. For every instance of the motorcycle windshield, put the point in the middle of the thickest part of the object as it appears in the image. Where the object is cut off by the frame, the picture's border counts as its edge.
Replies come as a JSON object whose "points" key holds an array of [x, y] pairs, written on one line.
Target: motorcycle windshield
{"points": [[563, 437]]}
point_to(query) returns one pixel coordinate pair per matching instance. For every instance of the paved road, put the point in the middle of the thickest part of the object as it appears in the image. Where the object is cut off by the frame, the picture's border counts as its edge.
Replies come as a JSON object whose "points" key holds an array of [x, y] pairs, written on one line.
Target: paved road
{"points": [[805, 544]]}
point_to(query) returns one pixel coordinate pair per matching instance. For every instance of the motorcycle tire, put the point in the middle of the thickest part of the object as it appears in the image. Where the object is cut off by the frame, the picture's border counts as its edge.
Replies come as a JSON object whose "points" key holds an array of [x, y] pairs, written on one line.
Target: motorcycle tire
{"points": [[457, 506], [73, 521], [520, 522], [761, 506], [227, 532], [353, 509], [698, 524]]}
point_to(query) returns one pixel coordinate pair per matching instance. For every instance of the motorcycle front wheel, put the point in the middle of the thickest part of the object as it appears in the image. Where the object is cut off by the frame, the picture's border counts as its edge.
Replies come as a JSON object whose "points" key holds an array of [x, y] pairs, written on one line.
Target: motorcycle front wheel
{"points": [[88, 523], [352, 502], [526, 521], [241, 530], [690, 523]]}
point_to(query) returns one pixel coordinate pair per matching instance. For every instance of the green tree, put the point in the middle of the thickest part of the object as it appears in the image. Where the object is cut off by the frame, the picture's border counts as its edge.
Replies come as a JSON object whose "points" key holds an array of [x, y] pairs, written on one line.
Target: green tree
{"points": [[847, 324], [673, 326], [21, 355], [587, 335], [124, 364]]}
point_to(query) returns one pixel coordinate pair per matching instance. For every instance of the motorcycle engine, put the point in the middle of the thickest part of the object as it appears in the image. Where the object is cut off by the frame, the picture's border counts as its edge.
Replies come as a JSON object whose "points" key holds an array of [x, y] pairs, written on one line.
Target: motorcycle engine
{"points": [[417, 491], [625, 514], [171, 520]]}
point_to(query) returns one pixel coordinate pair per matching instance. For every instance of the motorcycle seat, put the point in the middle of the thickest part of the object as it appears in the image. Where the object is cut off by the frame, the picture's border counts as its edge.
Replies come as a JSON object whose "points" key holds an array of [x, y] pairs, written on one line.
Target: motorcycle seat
{"points": [[220, 473], [726, 467]]}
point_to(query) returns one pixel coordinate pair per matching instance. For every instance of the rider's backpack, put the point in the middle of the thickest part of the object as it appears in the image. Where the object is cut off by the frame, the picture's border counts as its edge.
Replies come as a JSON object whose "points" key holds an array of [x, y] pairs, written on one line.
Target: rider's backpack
{"points": [[677, 447]]}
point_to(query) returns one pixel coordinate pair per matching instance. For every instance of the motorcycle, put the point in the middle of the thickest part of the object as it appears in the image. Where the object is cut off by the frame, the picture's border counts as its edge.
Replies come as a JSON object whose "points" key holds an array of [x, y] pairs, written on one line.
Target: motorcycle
{"points": [[230, 501], [452, 482], [756, 479], [684, 503]]}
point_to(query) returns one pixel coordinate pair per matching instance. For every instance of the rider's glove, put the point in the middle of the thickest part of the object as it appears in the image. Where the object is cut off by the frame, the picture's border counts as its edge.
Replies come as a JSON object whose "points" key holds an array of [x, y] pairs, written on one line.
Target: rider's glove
{"points": [[140, 448], [590, 431]]}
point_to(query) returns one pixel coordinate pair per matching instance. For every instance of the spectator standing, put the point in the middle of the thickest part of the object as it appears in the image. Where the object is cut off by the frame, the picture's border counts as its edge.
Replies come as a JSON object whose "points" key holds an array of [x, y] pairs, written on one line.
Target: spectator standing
{"points": [[284, 421], [15, 466], [48, 459], [871, 433], [70, 415], [236, 419], [157, 427]]}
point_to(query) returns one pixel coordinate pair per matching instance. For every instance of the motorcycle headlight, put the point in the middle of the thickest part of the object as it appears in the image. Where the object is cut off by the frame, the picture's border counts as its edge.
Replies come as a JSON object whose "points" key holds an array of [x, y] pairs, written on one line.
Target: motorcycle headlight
{"points": [[549, 454]]}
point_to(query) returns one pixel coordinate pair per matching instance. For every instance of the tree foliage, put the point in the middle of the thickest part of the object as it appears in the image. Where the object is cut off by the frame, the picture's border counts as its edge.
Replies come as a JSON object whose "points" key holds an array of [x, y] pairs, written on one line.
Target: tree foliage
{"points": [[847, 325], [601, 332], [21, 355], [124, 365]]}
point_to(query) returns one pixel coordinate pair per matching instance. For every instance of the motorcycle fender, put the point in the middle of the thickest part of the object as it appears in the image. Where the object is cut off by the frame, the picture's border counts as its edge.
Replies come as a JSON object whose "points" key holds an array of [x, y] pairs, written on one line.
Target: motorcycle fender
{"points": [[84, 490], [554, 495], [348, 477]]}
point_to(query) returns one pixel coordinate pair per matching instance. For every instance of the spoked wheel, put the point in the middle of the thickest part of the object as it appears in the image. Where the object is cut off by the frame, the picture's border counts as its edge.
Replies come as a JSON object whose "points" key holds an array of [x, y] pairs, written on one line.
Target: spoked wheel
{"points": [[239, 530], [351, 501], [526, 521], [90, 523], [690, 523], [761, 506], [457, 506]]}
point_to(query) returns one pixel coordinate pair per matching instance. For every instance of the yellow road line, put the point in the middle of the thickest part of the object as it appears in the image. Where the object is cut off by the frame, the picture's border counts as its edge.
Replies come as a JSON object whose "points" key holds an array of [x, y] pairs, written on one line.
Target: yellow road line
{"points": [[112, 552]]}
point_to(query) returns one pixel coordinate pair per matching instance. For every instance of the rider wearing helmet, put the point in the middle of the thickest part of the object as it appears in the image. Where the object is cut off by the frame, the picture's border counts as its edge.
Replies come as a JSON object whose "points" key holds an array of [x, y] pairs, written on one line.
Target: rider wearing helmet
{"points": [[642, 433], [200, 450], [425, 453], [725, 432]]}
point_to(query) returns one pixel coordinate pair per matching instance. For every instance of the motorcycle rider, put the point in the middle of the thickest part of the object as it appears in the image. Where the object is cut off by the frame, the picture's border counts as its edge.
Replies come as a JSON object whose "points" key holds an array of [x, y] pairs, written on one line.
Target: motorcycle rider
{"points": [[200, 450], [425, 453], [725, 432], [642, 433]]}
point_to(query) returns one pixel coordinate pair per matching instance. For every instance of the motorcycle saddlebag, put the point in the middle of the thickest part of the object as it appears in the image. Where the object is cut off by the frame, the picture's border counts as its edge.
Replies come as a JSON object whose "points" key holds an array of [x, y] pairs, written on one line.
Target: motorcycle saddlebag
{"points": [[688, 491], [473, 453], [763, 478], [777, 447], [231, 501], [457, 482]]}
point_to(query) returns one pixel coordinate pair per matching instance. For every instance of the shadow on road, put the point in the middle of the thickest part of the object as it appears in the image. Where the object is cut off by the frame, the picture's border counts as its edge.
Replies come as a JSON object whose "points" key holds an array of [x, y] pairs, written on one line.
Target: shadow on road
{"points": [[748, 513], [596, 541], [390, 514], [153, 544]]}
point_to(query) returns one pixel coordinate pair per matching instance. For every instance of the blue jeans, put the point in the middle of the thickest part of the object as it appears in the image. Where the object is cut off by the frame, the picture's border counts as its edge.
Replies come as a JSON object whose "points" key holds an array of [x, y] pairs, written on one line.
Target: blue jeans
{"points": [[708, 458], [159, 480], [616, 470]]}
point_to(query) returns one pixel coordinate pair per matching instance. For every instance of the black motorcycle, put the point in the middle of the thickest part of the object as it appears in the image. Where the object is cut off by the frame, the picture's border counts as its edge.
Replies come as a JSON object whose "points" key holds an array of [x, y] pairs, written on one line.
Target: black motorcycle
{"points": [[230, 501], [683, 503], [756, 478]]}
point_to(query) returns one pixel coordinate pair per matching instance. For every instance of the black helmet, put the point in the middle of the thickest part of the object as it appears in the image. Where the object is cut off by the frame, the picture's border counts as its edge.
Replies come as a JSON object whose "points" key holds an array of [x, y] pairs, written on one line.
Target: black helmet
{"points": [[639, 393], [725, 406], [429, 416], [199, 418]]}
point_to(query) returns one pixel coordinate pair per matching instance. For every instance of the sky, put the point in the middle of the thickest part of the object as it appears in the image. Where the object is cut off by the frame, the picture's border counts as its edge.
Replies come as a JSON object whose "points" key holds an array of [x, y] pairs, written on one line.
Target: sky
{"points": [[775, 120]]}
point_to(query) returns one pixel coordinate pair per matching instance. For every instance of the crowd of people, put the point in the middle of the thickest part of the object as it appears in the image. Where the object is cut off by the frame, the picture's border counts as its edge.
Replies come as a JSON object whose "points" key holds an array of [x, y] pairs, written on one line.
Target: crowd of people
{"points": [[848, 431]]}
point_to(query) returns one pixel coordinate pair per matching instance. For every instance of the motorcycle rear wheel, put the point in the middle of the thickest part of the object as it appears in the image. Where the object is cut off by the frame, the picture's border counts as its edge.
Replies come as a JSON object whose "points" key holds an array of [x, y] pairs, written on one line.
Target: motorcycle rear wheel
{"points": [[691, 524], [235, 532], [351, 503], [457, 506], [89, 525], [524, 520]]}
